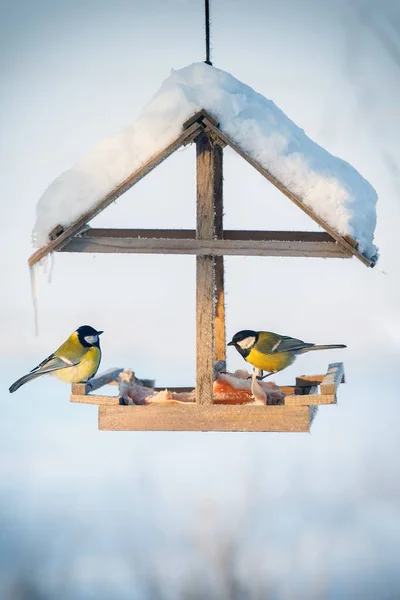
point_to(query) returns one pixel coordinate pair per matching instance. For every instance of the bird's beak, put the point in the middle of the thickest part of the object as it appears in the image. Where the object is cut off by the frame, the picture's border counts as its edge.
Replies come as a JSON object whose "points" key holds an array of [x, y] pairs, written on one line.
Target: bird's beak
{"points": [[232, 343], [100, 332]]}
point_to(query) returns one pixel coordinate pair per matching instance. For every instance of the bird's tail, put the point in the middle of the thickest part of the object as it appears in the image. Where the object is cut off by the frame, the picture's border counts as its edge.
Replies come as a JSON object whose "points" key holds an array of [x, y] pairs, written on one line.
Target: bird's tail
{"points": [[324, 347], [24, 380]]}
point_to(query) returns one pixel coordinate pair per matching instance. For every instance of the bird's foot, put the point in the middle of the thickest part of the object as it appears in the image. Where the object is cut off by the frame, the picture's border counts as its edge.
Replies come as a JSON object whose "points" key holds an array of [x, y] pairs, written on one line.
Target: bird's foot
{"points": [[260, 378], [258, 373]]}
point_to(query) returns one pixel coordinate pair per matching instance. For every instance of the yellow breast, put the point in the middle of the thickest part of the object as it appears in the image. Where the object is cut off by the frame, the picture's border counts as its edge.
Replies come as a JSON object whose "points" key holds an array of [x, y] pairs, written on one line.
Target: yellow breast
{"points": [[86, 368], [272, 363]]}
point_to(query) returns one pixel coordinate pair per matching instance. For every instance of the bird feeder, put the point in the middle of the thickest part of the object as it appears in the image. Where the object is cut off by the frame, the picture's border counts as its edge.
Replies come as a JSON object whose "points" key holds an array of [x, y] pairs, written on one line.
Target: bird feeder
{"points": [[210, 242]]}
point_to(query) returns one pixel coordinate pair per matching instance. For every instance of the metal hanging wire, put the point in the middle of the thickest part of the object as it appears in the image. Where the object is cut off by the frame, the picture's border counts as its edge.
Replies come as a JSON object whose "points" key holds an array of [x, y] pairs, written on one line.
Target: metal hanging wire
{"points": [[207, 27]]}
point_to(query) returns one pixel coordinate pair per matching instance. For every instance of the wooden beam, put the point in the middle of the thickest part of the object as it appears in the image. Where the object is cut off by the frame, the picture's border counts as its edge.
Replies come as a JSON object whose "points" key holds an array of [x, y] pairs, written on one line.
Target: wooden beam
{"points": [[198, 117], [80, 223], [309, 380], [334, 376], [96, 382], [219, 318], [311, 399], [317, 245], [347, 247], [98, 400], [219, 284], [177, 390], [209, 192], [194, 417], [55, 232], [245, 235], [114, 400]]}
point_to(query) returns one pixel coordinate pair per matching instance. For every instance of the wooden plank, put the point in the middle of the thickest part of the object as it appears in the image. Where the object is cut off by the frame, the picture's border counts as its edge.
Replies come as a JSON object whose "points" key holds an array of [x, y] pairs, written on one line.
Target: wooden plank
{"points": [[55, 232], [177, 390], [198, 117], [204, 329], [347, 247], [96, 382], [98, 400], [311, 399], [194, 417], [201, 247], [332, 379], [114, 400], [227, 234], [80, 223], [219, 285], [308, 380], [214, 137], [219, 318], [209, 187], [351, 241], [287, 389]]}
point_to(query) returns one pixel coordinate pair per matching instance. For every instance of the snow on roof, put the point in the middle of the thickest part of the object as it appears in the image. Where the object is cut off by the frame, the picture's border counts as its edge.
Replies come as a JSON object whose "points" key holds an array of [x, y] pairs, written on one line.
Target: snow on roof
{"points": [[328, 185]]}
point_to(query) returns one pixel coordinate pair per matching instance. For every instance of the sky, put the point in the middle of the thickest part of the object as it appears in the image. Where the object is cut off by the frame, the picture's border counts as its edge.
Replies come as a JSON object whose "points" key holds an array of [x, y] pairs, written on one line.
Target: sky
{"points": [[306, 512]]}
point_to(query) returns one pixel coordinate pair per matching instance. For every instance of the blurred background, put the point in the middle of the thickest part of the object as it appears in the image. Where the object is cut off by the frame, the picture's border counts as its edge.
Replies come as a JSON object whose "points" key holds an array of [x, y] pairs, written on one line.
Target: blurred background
{"points": [[87, 514]]}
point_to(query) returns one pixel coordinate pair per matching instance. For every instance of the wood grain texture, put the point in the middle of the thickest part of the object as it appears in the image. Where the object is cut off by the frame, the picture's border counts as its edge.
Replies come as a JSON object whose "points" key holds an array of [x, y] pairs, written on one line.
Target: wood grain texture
{"points": [[219, 318], [305, 381], [80, 223], [55, 232], [332, 379], [219, 279], [347, 247], [204, 418], [209, 185], [82, 398], [226, 234], [199, 247], [350, 240], [287, 390], [311, 399], [96, 382], [204, 329], [98, 400], [209, 192], [198, 117]]}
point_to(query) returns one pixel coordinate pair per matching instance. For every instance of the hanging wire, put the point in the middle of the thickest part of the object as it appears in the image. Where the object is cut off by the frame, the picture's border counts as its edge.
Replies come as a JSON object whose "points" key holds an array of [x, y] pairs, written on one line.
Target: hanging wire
{"points": [[207, 17]]}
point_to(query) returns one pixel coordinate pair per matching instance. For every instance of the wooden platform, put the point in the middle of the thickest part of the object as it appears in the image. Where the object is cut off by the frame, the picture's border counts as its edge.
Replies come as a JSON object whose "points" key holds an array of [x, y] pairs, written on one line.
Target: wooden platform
{"points": [[295, 415]]}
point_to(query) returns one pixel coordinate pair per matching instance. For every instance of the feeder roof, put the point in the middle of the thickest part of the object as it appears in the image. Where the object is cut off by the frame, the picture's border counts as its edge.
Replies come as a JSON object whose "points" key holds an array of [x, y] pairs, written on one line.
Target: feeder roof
{"points": [[329, 186]]}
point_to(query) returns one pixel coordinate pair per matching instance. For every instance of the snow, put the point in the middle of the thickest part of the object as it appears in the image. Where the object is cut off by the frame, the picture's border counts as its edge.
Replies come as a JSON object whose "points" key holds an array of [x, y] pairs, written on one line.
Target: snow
{"points": [[328, 185]]}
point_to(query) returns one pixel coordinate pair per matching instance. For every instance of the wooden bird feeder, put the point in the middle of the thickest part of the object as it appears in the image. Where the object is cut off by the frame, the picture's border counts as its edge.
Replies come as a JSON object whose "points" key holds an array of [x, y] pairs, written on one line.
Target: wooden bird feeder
{"points": [[209, 243]]}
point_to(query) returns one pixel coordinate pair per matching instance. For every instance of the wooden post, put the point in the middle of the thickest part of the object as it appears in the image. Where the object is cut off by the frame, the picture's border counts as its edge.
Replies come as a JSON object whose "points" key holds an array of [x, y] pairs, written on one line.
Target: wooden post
{"points": [[209, 219], [219, 317], [204, 329]]}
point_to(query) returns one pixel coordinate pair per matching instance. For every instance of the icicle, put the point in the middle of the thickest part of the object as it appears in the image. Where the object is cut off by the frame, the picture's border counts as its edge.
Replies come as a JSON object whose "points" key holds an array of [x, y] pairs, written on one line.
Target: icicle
{"points": [[44, 263], [51, 267], [34, 271]]}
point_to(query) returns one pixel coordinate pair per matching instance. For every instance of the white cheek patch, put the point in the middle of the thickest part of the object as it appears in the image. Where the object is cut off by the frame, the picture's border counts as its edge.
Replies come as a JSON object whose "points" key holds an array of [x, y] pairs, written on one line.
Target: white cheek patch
{"points": [[91, 339], [247, 342]]}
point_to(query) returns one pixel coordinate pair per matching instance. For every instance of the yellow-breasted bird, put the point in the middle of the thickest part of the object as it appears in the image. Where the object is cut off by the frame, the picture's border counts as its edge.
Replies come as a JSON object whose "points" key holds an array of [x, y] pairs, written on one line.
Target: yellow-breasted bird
{"points": [[271, 352], [77, 359]]}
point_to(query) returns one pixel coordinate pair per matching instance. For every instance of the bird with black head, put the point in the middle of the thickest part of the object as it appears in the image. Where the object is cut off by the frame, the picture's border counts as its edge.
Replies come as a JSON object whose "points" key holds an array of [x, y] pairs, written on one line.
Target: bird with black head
{"points": [[76, 360]]}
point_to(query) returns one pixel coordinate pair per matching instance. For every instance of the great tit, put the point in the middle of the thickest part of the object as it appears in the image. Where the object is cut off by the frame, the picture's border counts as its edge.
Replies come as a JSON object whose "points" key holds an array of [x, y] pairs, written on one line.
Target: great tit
{"points": [[271, 352], [77, 359]]}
